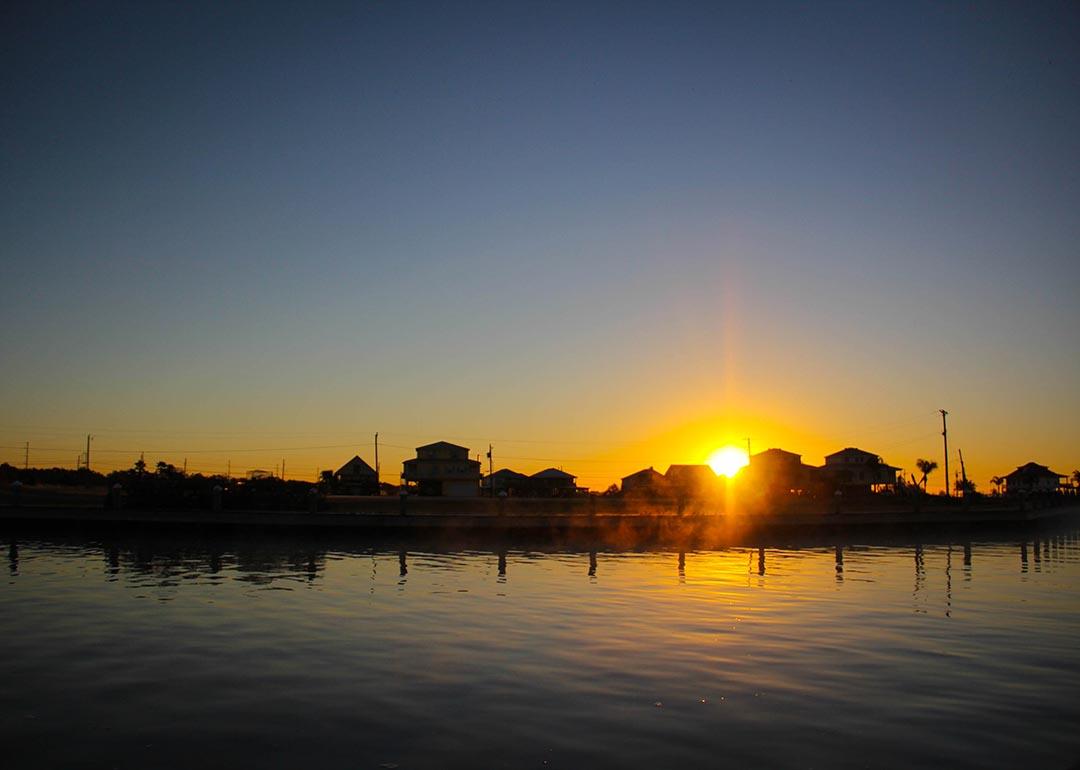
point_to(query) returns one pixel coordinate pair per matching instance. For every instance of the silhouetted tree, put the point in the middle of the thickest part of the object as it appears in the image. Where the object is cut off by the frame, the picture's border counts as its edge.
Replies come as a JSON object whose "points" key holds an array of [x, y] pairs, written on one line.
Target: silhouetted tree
{"points": [[926, 467], [167, 469], [997, 481], [1076, 478], [965, 486]]}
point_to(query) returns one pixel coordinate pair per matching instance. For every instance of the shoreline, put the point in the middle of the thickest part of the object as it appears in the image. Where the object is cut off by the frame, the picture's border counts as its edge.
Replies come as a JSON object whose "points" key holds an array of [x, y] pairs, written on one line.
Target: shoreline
{"points": [[641, 525]]}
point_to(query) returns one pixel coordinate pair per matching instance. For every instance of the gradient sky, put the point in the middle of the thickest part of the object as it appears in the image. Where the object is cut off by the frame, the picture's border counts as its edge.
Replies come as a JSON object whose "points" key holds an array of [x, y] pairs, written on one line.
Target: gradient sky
{"points": [[597, 235]]}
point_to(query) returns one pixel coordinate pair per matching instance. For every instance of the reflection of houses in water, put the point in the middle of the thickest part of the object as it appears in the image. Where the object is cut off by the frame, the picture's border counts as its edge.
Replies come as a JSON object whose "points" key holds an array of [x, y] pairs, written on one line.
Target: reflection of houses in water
{"points": [[442, 469], [853, 468], [170, 563], [1031, 478]]}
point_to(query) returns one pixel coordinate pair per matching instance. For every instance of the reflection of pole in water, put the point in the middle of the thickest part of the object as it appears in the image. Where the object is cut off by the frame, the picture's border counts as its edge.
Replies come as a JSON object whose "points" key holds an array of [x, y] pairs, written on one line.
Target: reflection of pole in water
{"points": [[948, 582], [761, 561], [403, 565], [920, 572], [112, 557], [592, 563], [502, 563], [967, 556], [1036, 552], [13, 558], [682, 565], [1023, 557]]}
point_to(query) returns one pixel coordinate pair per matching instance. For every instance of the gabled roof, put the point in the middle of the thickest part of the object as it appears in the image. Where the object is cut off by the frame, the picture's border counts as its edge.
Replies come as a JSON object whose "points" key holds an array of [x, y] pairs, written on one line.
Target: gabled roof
{"points": [[506, 473], [442, 444], [855, 450], [646, 472], [690, 471], [770, 453], [356, 466], [862, 455], [1034, 469], [553, 473]]}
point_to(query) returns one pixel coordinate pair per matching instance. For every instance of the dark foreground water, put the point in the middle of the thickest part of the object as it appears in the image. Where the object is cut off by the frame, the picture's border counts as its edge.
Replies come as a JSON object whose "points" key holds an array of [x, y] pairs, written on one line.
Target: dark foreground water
{"points": [[140, 651]]}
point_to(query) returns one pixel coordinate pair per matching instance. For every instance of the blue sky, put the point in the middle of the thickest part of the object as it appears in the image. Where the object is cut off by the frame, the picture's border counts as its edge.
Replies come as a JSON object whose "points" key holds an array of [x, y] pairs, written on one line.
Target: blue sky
{"points": [[550, 221]]}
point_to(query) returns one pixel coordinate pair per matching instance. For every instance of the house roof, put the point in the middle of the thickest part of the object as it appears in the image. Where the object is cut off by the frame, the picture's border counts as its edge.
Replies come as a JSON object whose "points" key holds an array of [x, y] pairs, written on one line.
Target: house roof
{"points": [[442, 444], [553, 473], [648, 472], [851, 449], [506, 473], [690, 471], [356, 465], [1033, 469], [768, 453]]}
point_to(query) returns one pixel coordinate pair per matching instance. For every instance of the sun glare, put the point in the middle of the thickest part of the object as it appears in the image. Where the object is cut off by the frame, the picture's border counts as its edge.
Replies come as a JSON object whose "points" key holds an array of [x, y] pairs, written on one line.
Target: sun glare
{"points": [[729, 460]]}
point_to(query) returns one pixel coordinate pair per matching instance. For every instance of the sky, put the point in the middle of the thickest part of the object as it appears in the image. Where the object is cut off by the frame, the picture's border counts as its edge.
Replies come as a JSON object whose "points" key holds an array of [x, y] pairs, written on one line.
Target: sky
{"points": [[598, 236]]}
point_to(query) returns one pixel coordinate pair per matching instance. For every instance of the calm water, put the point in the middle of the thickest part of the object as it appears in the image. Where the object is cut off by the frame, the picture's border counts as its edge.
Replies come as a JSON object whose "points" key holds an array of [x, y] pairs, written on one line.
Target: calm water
{"points": [[136, 652]]}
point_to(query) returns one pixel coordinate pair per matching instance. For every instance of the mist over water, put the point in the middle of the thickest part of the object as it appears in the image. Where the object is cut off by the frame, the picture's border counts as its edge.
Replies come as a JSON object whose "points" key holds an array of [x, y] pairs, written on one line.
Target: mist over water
{"points": [[137, 650]]}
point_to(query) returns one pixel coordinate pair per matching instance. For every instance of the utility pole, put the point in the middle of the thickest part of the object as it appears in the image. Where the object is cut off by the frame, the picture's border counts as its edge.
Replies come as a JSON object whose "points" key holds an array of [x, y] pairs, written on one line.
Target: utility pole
{"points": [[945, 438], [282, 468], [26, 457], [228, 469], [748, 447], [376, 459], [88, 437], [491, 467], [185, 466]]}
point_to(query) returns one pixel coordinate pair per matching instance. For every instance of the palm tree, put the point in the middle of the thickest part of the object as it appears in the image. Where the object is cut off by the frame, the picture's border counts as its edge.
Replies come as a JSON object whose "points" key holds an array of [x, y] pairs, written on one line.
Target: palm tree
{"points": [[997, 481], [1076, 478], [926, 467]]}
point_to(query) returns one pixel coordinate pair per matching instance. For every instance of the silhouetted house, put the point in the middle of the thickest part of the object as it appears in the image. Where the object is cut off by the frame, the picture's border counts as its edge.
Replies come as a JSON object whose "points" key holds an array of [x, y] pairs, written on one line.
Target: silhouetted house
{"points": [[442, 469], [552, 482], [691, 480], [1032, 477], [505, 483], [853, 468], [644, 482], [259, 473], [356, 477], [777, 470]]}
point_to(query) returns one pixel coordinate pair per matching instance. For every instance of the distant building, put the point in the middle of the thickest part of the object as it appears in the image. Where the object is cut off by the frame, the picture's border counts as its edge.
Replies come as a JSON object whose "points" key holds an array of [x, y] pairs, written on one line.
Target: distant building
{"points": [[691, 480], [259, 473], [553, 482], [778, 470], [505, 483], [356, 477], [442, 469], [857, 468], [1032, 477], [644, 482]]}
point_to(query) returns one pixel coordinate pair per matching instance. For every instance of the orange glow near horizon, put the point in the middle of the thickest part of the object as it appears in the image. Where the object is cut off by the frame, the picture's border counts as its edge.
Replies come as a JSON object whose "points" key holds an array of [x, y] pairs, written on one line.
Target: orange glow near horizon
{"points": [[728, 460]]}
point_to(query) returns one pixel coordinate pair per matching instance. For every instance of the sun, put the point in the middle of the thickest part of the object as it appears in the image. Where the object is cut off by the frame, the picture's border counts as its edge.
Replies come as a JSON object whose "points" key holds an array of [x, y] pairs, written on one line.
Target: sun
{"points": [[728, 460]]}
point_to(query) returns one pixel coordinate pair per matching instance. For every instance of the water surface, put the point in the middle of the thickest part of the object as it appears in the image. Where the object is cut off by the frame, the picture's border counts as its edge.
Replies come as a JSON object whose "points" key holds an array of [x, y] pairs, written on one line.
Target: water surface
{"points": [[139, 650]]}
